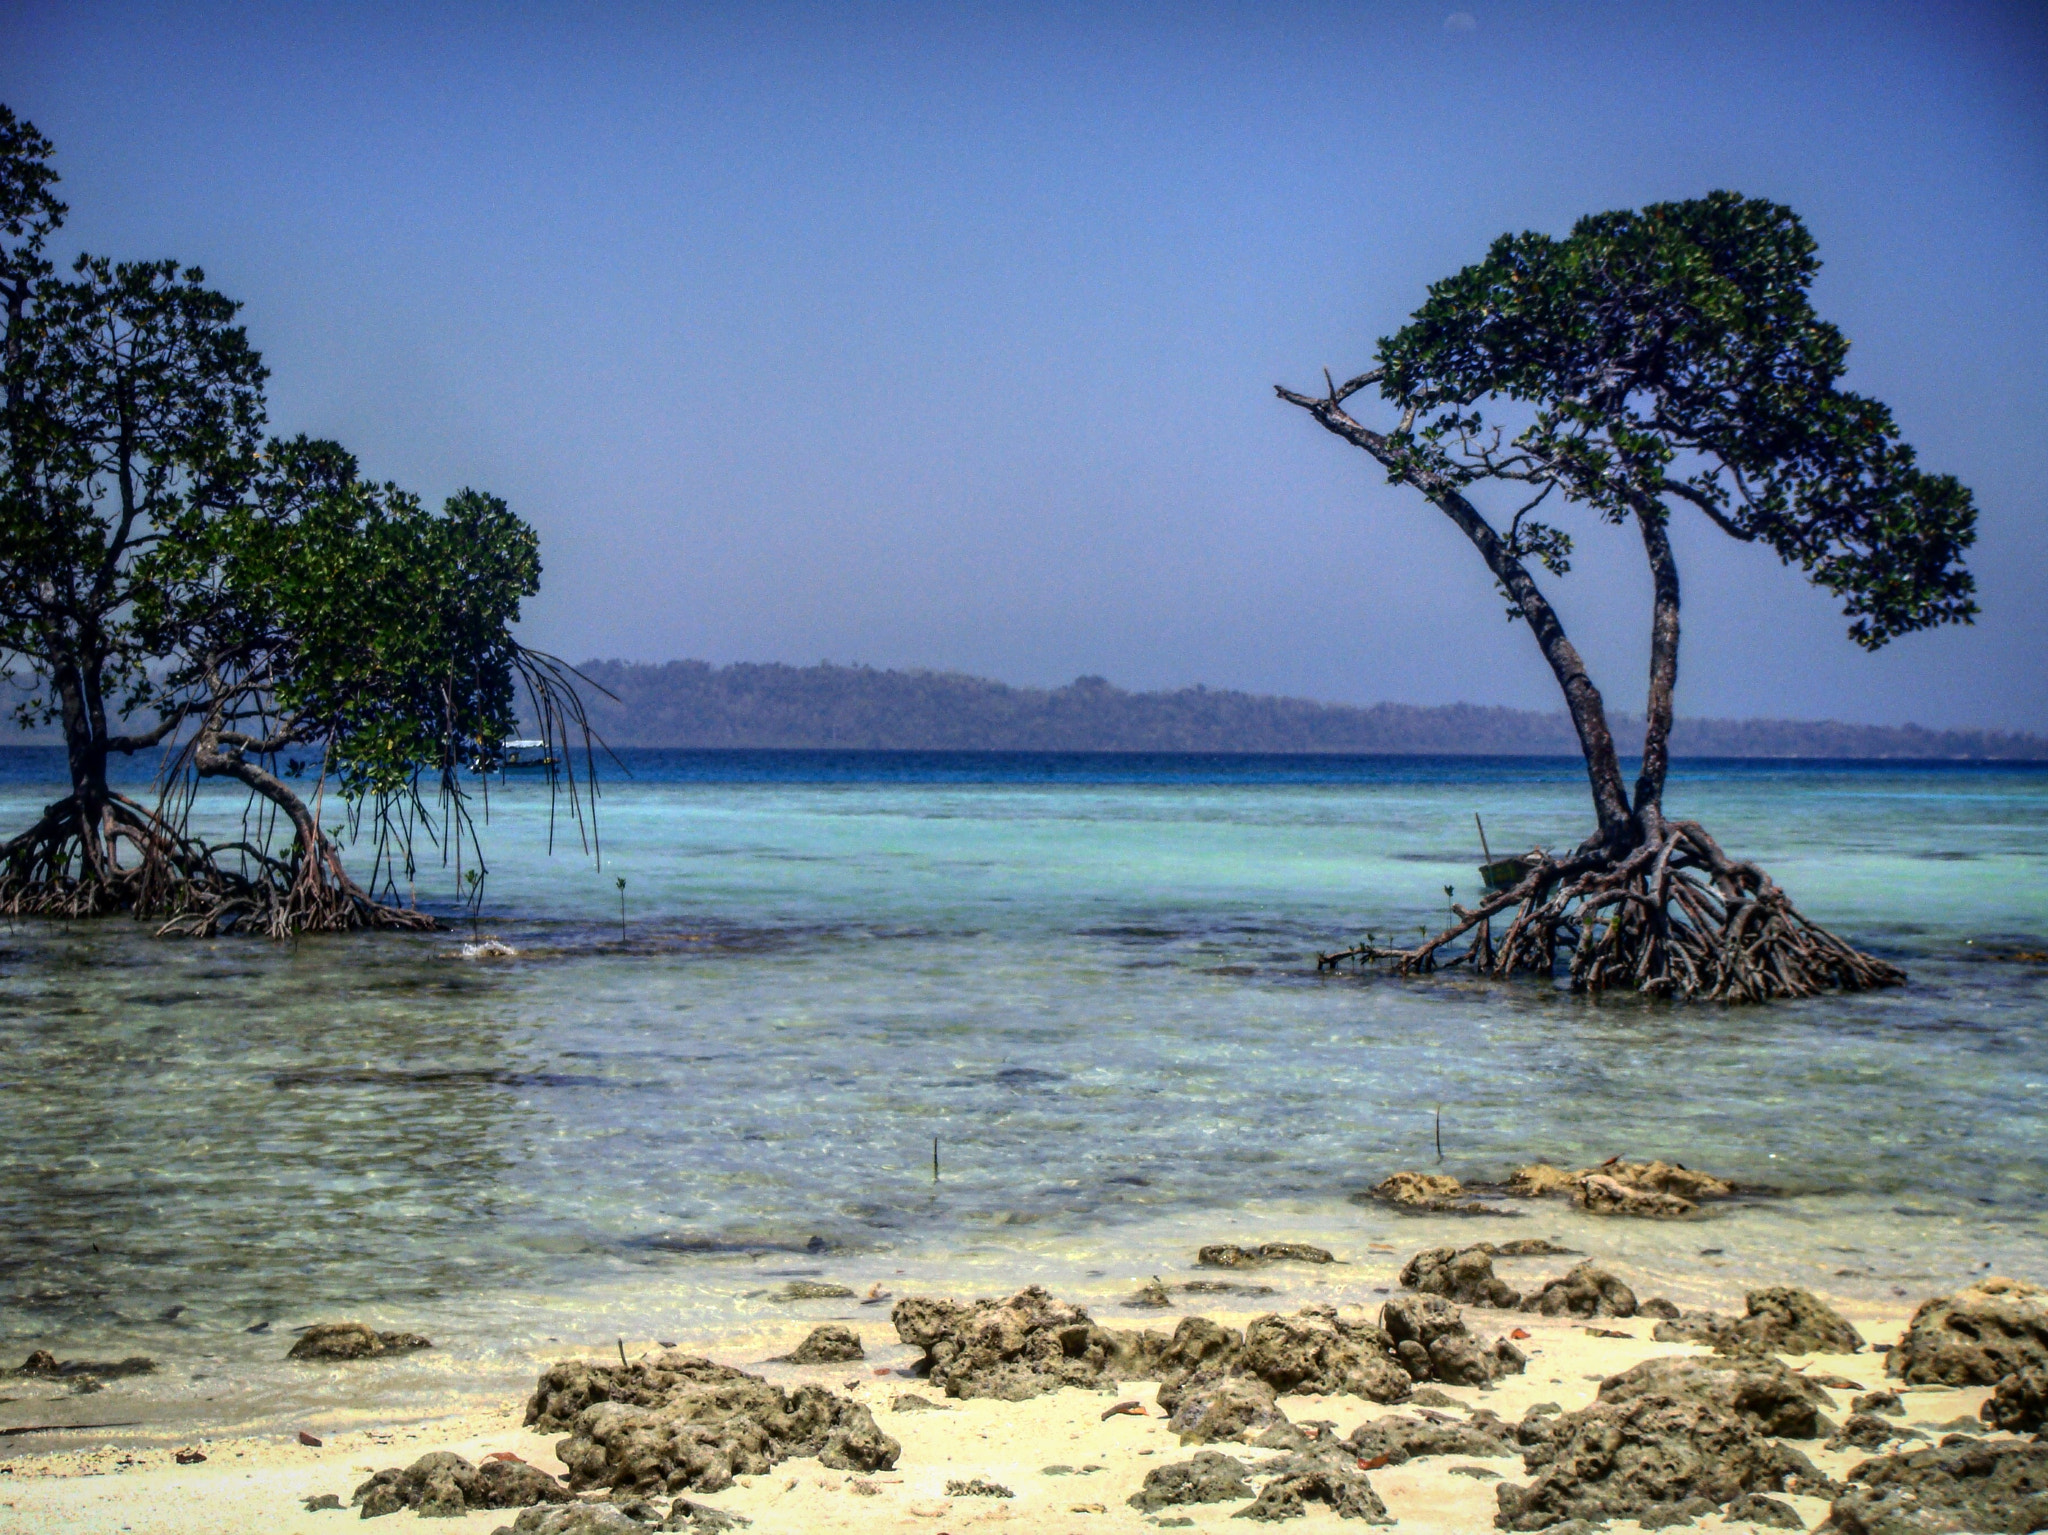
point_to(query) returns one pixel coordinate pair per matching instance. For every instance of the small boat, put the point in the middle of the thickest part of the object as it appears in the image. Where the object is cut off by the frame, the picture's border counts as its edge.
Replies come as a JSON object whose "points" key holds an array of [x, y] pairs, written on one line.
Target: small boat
{"points": [[1502, 874], [1497, 874], [518, 756]]}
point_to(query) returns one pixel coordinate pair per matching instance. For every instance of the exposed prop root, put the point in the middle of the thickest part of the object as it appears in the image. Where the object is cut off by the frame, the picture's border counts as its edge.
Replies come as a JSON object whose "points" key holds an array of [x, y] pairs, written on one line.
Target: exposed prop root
{"points": [[1675, 916], [84, 860]]}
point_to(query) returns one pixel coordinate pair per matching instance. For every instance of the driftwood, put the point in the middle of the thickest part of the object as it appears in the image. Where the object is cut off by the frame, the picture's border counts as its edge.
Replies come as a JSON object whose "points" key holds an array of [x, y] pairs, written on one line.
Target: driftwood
{"points": [[1674, 916]]}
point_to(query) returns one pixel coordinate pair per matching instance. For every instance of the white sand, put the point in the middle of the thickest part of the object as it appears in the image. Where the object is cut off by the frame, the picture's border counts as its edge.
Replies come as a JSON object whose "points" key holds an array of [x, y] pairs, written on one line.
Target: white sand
{"points": [[258, 1484]]}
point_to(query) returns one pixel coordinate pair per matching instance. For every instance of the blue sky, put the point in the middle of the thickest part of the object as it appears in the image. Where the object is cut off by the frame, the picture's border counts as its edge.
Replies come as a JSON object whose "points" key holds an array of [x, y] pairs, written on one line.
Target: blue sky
{"points": [[945, 335]]}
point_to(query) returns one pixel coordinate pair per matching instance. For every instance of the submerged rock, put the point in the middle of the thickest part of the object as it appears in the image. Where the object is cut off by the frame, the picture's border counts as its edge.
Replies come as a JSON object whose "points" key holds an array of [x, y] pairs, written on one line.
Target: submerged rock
{"points": [[830, 1344], [1975, 1337], [810, 1289], [1011, 1350], [1330, 1477], [1211, 1477], [1654, 1457], [353, 1340], [1464, 1275], [1599, 1194], [2020, 1404], [1773, 1399], [444, 1485], [1983, 1486], [1780, 1320], [1588, 1290], [1437, 1193], [1886, 1402], [1538, 1179], [1411, 1188], [44, 1365], [679, 1423], [1657, 1189], [1225, 1255]]}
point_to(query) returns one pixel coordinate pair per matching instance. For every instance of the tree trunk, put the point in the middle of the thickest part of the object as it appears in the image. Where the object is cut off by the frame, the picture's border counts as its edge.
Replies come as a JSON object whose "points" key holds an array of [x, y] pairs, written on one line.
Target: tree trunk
{"points": [[1657, 709], [1589, 714]]}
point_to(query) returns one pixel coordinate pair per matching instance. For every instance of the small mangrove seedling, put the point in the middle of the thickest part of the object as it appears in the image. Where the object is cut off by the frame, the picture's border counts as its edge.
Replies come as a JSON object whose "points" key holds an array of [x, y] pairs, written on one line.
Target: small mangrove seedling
{"points": [[622, 908]]}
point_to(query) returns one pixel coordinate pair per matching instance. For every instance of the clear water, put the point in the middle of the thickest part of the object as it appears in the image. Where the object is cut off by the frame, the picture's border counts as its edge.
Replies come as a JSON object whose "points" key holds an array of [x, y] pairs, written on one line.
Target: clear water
{"points": [[1091, 978]]}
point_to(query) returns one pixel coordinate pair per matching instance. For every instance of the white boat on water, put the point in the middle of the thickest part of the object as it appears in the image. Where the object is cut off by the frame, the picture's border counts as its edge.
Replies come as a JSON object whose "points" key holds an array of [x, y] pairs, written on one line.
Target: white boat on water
{"points": [[522, 755]]}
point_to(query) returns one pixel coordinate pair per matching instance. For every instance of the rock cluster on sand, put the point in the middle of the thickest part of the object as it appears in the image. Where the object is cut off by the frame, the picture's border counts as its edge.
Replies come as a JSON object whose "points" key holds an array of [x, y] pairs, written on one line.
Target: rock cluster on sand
{"points": [[444, 1485], [1211, 1477], [1963, 1484], [1657, 1189], [830, 1344], [678, 1423], [1663, 1443], [632, 1516], [353, 1340], [1433, 1343], [2020, 1404], [1217, 1384], [1465, 1275], [1976, 1337], [1587, 1291], [1011, 1350], [1777, 1401], [1780, 1320], [1328, 1476], [1394, 1439]]}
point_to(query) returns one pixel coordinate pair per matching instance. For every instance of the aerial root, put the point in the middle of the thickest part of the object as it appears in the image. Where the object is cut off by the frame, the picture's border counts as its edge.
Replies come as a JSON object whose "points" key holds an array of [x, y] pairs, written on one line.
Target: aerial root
{"points": [[1675, 916], [90, 860]]}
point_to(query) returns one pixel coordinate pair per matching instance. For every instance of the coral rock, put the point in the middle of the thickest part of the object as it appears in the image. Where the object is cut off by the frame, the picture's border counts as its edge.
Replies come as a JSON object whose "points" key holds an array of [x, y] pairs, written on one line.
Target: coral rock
{"points": [[1588, 1290], [1975, 1337], [353, 1340]]}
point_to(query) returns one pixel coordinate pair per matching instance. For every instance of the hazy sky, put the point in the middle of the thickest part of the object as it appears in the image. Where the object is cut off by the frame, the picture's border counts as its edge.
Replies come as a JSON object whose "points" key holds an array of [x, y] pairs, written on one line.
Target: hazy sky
{"points": [[945, 335]]}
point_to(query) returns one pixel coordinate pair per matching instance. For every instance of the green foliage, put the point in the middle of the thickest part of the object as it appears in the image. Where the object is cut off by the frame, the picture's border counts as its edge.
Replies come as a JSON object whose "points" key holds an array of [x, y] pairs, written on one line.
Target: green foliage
{"points": [[345, 614], [135, 404], [1672, 354]]}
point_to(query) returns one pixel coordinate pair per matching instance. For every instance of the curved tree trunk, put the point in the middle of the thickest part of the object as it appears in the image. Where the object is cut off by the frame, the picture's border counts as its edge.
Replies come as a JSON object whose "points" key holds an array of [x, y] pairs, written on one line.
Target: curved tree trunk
{"points": [[1589, 713], [1648, 904]]}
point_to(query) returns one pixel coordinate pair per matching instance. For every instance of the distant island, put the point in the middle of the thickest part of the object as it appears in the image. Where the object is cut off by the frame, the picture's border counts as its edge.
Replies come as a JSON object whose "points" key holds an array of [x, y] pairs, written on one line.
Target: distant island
{"points": [[695, 704]]}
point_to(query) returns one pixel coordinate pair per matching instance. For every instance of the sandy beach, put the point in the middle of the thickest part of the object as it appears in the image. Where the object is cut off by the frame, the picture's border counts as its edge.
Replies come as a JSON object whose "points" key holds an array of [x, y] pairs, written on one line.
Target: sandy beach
{"points": [[1068, 1466]]}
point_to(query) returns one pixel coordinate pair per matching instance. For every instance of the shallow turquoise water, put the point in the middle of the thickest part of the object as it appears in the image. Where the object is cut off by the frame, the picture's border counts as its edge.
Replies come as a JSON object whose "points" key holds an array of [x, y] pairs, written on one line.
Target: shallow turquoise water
{"points": [[1091, 979]]}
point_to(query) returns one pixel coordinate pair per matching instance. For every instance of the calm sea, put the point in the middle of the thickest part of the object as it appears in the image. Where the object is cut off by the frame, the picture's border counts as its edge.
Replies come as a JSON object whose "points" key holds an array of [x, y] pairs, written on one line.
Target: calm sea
{"points": [[1091, 978]]}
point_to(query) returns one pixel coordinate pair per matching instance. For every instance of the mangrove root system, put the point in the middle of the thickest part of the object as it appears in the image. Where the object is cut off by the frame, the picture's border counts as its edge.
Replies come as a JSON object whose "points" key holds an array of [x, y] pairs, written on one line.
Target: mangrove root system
{"points": [[1673, 916]]}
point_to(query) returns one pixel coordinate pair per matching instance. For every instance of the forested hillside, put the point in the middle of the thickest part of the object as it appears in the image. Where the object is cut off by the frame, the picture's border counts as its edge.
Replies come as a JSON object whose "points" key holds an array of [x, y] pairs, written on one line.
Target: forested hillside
{"points": [[691, 703]]}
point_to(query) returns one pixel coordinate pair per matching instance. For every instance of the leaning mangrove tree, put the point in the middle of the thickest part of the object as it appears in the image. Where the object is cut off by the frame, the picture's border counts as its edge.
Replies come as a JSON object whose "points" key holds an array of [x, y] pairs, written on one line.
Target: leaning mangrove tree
{"points": [[251, 611], [1655, 363]]}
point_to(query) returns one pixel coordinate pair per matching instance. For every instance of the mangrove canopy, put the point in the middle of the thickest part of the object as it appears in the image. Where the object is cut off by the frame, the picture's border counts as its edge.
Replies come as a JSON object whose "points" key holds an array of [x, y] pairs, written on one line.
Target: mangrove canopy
{"points": [[272, 620], [1656, 363]]}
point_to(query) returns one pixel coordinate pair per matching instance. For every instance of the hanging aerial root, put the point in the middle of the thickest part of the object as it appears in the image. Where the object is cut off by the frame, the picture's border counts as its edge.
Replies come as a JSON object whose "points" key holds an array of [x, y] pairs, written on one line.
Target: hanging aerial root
{"points": [[1675, 916]]}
